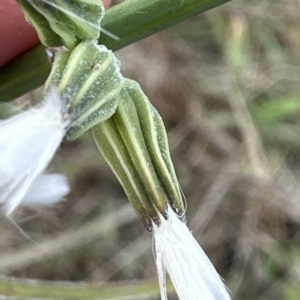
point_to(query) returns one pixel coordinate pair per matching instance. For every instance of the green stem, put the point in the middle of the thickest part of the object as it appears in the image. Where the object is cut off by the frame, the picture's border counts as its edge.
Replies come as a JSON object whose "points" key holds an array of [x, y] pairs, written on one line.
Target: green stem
{"points": [[24, 74], [131, 21], [29, 289]]}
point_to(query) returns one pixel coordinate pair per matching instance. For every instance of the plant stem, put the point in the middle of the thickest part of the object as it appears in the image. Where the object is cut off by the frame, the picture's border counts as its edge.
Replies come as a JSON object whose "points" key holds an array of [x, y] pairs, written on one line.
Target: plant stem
{"points": [[24, 74], [131, 21], [29, 289]]}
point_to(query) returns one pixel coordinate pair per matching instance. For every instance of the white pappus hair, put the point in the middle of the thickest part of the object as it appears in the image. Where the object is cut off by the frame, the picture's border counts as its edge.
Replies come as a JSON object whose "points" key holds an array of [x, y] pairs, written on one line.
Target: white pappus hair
{"points": [[178, 253], [28, 142]]}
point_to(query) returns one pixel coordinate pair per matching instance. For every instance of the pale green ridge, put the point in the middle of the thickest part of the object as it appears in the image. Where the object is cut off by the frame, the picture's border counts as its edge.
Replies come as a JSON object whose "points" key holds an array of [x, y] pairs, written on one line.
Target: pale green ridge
{"points": [[157, 143]]}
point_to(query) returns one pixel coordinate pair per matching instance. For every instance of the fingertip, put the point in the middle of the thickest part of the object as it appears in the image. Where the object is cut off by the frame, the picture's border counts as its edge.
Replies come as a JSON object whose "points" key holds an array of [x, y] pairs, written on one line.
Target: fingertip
{"points": [[16, 34]]}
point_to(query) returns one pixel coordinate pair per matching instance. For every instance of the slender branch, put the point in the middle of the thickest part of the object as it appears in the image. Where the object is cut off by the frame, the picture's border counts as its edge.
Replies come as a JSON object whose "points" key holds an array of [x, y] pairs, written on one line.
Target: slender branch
{"points": [[12, 288], [131, 21]]}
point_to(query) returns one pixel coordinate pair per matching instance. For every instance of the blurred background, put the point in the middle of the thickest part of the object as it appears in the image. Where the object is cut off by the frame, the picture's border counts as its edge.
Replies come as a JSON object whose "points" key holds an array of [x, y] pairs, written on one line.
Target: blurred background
{"points": [[227, 86]]}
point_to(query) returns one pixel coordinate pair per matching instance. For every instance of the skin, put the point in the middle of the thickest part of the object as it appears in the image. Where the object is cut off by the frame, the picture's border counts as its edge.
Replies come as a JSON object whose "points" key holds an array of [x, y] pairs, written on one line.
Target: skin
{"points": [[16, 35]]}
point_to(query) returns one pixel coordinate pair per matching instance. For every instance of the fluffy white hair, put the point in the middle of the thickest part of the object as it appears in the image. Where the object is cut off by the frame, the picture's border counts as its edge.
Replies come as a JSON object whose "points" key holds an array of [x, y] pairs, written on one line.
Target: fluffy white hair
{"points": [[178, 253], [28, 142]]}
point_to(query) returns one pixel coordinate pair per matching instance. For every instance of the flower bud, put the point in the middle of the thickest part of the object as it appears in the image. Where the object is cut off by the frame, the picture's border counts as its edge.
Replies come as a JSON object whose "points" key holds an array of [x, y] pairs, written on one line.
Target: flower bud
{"points": [[88, 80], [134, 143], [63, 22]]}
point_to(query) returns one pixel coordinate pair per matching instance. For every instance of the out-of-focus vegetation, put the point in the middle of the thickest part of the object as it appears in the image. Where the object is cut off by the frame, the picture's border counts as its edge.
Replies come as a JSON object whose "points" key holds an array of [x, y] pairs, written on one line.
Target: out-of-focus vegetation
{"points": [[227, 85]]}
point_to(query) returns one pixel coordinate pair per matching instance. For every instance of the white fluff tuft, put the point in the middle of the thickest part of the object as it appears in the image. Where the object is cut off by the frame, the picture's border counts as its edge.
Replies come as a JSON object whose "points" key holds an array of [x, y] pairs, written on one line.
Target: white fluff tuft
{"points": [[47, 189], [28, 142], [177, 252]]}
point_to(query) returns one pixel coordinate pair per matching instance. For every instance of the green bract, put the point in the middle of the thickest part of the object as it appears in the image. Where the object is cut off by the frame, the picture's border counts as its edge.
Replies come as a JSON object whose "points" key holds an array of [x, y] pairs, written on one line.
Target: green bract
{"points": [[64, 22], [89, 81], [134, 143]]}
